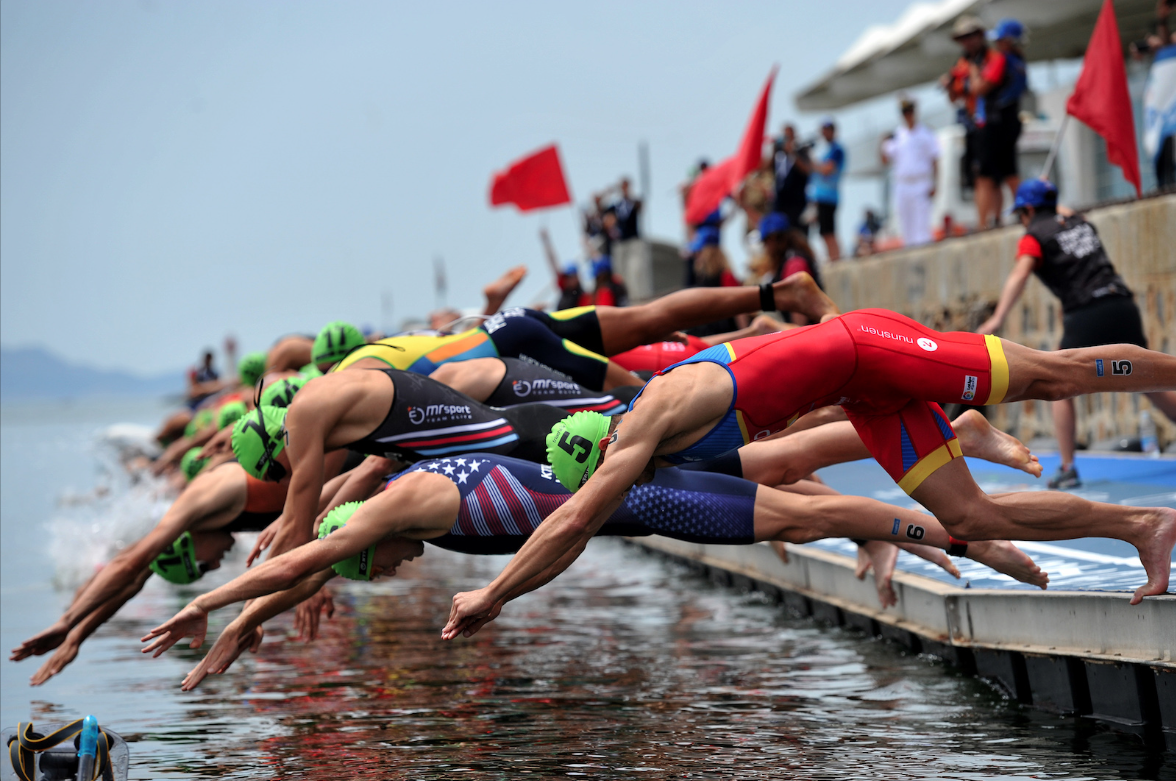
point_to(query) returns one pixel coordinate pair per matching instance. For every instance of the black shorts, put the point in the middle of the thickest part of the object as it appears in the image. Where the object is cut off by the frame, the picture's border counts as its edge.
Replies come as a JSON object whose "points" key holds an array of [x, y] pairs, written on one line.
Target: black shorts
{"points": [[996, 149], [1112, 320], [825, 218], [578, 324]]}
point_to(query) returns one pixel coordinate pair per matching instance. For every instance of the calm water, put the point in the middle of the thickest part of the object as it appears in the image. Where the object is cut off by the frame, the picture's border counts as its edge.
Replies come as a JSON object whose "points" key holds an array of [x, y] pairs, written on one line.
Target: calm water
{"points": [[625, 667]]}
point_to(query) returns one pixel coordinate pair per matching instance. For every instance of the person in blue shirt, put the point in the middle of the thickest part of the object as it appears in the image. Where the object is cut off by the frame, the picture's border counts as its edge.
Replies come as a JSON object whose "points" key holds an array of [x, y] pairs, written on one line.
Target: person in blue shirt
{"points": [[824, 184]]}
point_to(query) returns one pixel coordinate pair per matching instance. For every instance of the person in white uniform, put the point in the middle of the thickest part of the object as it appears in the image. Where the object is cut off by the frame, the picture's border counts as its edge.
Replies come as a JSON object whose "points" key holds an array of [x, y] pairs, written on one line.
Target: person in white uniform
{"points": [[913, 154]]}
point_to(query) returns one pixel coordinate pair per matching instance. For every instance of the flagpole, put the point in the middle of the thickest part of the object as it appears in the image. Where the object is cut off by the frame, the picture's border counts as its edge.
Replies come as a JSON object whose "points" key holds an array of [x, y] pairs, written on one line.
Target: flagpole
{"points": [[1053, 150]]}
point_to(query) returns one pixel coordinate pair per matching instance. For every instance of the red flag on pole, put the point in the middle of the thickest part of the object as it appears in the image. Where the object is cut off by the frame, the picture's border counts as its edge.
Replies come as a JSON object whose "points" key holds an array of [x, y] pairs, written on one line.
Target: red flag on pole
{"points": [[534, 182], [1101, 99], [716, 183]]}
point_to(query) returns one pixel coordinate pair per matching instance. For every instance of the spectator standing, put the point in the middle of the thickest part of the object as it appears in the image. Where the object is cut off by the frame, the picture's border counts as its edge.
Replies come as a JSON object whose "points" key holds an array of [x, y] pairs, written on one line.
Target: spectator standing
{"points": [[913, 155], [824, 185], [597, 241], [707, 266], [787, 252], [987, 84], [627, 211], [792, 166], [1159, 97], [610, 289], [567, 279], [1065, 253]]}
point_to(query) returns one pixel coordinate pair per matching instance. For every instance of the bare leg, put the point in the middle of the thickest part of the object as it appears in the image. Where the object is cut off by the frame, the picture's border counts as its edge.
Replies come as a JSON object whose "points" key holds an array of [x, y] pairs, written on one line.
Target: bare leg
{"points": [[787, 459], [1063, 374], [832, 246], [497, 291], [985, 196], [882, 557], [618, 376], [476, 378], [760, 326], [794, 518], [968, 513], [623, 328], [1063, 416]]}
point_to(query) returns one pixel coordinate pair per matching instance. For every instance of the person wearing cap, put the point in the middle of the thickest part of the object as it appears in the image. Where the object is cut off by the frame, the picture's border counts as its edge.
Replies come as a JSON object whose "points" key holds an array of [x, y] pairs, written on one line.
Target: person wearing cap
{"points": [[912, 152], [889, 374], [988, 84], [567, 278], [824, 185], [787, 253], [707, 266], [609, 289], [1064, 251]]}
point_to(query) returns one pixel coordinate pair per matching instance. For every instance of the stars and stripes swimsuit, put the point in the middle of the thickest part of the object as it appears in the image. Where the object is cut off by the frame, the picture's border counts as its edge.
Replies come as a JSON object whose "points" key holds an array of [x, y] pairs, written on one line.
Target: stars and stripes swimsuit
{"points": [[888, 373], [429, 419], [504, 499]]}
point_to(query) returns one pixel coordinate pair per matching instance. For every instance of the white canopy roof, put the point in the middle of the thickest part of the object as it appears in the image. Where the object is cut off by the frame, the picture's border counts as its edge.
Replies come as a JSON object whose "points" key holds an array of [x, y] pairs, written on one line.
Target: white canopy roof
{"points": [[918, 48]]}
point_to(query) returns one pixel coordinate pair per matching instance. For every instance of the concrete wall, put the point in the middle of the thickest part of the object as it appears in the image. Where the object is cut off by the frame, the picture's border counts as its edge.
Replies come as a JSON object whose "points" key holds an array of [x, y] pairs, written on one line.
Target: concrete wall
{"points": [[955, 285]]}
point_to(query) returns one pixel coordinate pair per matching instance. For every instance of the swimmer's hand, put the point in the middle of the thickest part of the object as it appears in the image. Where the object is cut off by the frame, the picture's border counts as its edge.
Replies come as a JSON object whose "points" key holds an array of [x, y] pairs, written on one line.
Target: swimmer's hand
{"points": [[56, 663], [471, 611], [223, 653], [308, 613], [41, 643], [192, 622], [264, 540]]}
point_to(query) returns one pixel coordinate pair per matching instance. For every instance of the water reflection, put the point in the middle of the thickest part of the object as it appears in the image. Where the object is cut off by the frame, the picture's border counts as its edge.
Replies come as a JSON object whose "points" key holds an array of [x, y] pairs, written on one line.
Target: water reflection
{"points": [[626, 667]]}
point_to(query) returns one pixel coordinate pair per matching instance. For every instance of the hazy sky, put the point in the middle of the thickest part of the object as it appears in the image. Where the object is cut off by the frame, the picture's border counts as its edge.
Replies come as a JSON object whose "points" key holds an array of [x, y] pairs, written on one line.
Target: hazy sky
{"points": [[170, 171]]}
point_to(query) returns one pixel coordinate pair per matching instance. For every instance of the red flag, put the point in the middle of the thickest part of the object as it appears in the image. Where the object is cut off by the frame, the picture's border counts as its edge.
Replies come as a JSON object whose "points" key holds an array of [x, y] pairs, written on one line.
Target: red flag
{"points": [[716, 183], [1101, 99], [534, 182]]}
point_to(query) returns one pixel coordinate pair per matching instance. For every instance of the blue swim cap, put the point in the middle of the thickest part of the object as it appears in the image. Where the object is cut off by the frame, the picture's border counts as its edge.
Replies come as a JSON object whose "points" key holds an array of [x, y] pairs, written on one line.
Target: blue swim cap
{"points": [[706, 236], [1036, 193]]}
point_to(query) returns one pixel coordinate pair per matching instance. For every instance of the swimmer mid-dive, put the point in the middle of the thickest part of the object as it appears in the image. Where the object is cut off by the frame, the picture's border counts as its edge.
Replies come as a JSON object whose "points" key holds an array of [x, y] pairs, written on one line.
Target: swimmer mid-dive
{"points": [[488, 504], [888, 373]]}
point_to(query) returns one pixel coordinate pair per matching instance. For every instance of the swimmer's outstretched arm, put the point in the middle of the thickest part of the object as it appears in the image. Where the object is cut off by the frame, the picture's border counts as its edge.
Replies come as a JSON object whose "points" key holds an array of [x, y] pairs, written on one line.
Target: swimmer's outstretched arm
{"points": [[215, 495], [572, 524], [73, 641], [420, 502], [245, 632]]}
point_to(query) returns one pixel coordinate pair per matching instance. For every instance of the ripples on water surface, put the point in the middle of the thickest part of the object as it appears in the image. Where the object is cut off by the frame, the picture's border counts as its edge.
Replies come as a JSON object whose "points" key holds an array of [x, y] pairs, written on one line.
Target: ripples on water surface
{"points": [[625, 667]]}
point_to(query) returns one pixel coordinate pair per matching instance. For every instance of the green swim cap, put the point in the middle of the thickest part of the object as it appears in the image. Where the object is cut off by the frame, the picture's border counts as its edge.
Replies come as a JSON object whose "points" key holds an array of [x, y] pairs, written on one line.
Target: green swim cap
{"points": [[310, 371], [190, 465], [251, 366], [573, 447], [359, 566], [335, 341], [201, 419], [177, 563], [258, 438], [281, 393], [230, 413]]}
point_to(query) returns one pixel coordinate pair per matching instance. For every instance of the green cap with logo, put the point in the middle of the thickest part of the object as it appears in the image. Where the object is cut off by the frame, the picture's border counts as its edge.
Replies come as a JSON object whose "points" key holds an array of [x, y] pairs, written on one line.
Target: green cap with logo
{"points": [[281, 393], [250, 367], [310, 371], [177, 563], [258, 438], [334, 342], [191, 463], [359, 566], [201, 419], [230, 413], [573, 448]]}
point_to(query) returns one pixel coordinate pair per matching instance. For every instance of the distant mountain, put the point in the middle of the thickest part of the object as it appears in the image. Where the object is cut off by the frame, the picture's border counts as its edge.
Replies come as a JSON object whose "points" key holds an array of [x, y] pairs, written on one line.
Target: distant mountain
{"points": [[34, 372]]}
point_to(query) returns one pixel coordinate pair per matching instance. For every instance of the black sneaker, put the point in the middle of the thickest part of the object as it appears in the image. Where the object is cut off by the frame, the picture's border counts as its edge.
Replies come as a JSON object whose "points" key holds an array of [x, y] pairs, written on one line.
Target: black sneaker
{"points": [[1066, 478]]}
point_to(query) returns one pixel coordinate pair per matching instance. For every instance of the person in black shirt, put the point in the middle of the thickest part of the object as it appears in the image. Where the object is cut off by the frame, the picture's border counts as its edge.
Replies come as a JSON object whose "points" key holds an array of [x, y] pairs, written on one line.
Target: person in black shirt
{"points": [[628, 212], [1065, 253], [792, 167]]}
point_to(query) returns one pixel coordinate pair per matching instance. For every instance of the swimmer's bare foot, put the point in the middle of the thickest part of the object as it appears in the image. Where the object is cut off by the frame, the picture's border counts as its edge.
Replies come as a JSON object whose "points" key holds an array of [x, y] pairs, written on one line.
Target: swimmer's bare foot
{"points": [[781, 551], [799, 293], [979, 439], [1155, 554], [497, 291], [881, 556], [933, 555], [1008, 558], [763, 325]]}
